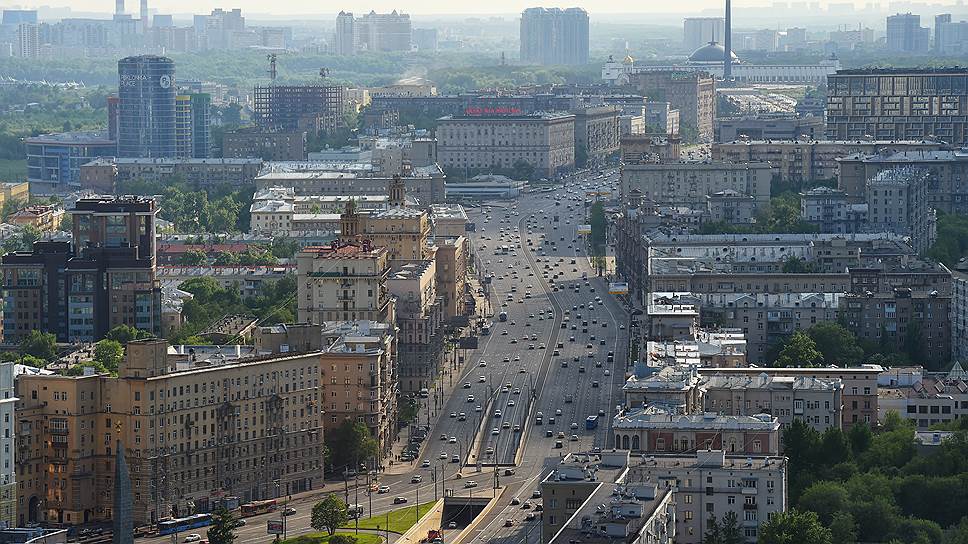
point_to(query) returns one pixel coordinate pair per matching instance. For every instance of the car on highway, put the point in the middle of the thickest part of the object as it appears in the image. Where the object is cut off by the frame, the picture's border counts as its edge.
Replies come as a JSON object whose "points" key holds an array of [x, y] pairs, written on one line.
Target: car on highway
{"points": [[508, 522], [489, 451], [574, 438], [425, 464], [470, 398], [470, 484], [399, 500], [383, 489], [467, 385], [481, 379], [194, 537], [455, 459], [478, 408], [495, 431], [443, 455], [452, 440], [506, 425], [289, 511]]}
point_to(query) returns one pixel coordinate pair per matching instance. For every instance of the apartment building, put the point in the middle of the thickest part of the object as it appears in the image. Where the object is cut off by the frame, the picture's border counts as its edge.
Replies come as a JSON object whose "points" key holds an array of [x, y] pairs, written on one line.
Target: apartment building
{"points": [[268, 146], [452, 258], [898, 104], [859, 393], [690, 183], [449, 220], [45, 218], [586, 499], [671, 385], [424, 184], [832, 210], [731, 207], [116, 173], [480, 141], [959, 312], [692, 93], [817, 402], [597, 132], [896, 305], [803, 160], [897, 201], [420, 323], [343, 281], [945, 183], [80, 291], [192, 431], [8, 433], [360, 378], [767, 126], [926, 398], [714, 483], [661, 428]]}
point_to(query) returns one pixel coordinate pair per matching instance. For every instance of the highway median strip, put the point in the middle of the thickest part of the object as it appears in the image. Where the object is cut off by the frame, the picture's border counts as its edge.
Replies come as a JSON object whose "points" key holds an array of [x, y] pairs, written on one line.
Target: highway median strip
{"points": [[400, 520]]}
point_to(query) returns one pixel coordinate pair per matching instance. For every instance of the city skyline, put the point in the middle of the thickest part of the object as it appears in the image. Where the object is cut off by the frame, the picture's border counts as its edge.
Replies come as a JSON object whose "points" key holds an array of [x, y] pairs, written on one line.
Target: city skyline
{"points": [[433, 7]]}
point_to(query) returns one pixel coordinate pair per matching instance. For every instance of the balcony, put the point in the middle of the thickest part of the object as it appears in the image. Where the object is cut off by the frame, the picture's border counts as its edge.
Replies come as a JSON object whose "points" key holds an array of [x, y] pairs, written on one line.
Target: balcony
{"points": [[748, 506]]}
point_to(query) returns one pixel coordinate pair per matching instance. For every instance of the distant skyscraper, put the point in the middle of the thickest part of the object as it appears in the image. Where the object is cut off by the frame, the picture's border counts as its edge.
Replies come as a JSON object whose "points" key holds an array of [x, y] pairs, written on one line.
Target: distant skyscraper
{"points": [[28, 41], [554, 36], [14, 17], [939, 24], [905, 34], [385, 31], [345, 43], [146, 108], [699, 31]]}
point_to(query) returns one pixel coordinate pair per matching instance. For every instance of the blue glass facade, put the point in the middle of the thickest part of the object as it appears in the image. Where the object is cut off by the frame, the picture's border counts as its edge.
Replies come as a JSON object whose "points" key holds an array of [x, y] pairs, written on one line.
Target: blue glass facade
{"points": [[146, 109]]}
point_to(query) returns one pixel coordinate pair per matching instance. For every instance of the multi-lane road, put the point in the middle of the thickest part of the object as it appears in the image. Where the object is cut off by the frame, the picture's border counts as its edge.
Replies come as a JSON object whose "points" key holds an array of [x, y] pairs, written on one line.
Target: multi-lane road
{"points": [[551, 356]]}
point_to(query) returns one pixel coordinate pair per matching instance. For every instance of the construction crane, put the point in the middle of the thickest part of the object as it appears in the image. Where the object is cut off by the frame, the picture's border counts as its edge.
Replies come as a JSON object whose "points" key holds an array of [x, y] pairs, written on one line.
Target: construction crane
{"points": [[271, 57]]}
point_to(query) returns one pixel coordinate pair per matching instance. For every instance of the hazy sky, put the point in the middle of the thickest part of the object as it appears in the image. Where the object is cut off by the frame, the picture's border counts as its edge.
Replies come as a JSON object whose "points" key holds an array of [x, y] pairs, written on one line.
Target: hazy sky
{"points": [[410, 6]]}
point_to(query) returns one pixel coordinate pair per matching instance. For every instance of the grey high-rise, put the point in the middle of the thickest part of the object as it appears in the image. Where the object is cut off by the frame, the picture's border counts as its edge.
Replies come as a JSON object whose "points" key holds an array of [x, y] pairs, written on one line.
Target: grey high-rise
{"points": [[146, 107], [554, 36]]}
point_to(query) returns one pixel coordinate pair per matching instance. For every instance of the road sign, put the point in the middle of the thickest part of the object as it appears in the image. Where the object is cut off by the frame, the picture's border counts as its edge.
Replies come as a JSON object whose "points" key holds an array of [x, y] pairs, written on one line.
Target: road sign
{"points": [[584, 229], [274, 526]]}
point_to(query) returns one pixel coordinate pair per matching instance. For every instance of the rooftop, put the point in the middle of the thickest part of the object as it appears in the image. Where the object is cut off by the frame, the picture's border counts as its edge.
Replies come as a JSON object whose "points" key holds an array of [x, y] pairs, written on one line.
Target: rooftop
{"points": [[661, 416], [68, 138], [340, 249], [766, 381]]}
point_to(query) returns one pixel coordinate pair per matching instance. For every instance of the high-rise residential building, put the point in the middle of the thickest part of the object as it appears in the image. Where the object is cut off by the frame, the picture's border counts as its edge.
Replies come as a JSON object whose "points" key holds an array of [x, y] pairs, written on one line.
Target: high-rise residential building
{"points": [[897, 201], [28, 41], [345, 43], [312, 108], [554, 36], [146, 108], [699, 31], [898, 104], [906, 35], [939, 28], [692, 93], [81, 290], [383, 32], [240, 436], [192, 126], [14, 17]]}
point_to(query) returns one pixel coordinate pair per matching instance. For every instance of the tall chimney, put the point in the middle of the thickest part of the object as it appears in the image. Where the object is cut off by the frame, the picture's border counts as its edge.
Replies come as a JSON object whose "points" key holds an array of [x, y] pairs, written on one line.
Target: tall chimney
{"points": [[727, 44], [119, 7], [144, 15]]}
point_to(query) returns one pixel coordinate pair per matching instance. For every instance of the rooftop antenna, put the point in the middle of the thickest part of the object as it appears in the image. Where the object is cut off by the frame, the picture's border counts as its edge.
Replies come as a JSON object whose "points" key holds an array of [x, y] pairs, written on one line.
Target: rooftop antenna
{"points": [[271, 57]]}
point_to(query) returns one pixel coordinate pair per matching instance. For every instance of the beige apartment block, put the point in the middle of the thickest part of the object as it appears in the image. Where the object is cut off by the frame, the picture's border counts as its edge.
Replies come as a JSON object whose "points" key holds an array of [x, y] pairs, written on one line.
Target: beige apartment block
{"points": [[193, 432], [343, 281]]}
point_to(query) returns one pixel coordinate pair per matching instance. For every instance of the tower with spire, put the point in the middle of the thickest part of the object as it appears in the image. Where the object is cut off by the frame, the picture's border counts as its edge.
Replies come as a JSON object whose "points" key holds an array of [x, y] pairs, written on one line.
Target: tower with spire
{"points": [[398, 192]]}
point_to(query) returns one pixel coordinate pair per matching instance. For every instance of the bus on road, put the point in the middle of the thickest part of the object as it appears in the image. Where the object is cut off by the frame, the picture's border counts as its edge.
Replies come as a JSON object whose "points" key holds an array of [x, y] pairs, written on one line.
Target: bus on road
{"points": [[591, 422], [255, 508], [354, 510], [180, 525]]}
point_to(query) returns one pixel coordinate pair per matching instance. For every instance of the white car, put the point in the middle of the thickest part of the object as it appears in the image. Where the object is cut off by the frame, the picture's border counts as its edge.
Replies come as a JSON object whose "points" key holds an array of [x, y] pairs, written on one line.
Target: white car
{"points": [[194, 537]]}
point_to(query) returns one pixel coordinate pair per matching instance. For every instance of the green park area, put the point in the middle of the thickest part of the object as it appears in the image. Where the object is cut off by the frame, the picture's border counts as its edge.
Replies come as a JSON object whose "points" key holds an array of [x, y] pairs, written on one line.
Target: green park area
{"points": [[399, 521], [338, 538]]}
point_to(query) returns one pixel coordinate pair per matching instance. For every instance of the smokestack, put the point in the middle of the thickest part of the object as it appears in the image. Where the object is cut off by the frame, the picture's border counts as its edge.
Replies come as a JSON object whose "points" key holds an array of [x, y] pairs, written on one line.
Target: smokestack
{"points": [[144, 15], [119, 7], [727, 43]]}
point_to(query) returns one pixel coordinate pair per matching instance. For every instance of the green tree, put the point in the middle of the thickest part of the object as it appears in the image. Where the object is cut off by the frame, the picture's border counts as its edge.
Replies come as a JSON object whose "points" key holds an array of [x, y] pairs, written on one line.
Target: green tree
{"points": [[826, 499], [42, 345], [714, 532], [843, 528], [126, 333], [800, 350], [957, 534], [731, 532], [193, 257], [351, 443], [860, 438], [329, 514], [794, 527], [837, 345], [522, 170], [343, 539], [834, 447], [224, 524], [109, 354], [226, 258], [596, 218]]}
